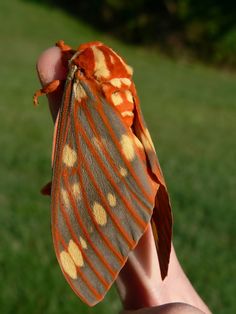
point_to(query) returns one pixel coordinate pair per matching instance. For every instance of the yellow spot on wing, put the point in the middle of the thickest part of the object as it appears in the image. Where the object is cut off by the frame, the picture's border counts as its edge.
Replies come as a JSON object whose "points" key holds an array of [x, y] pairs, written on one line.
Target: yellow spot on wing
{"points": [[112, 59], [68, 264], [116, 82], [127, 147], [99, 214], [127, 113], [111, 199], [96, 143], [129, 95], [75, 253], [101, 69], [83, 243], [129, 69], [126, 81], [69, 156], [79, 91], [76, 191], [65, 198], [123, 172], [137, 142], [116, 99]]}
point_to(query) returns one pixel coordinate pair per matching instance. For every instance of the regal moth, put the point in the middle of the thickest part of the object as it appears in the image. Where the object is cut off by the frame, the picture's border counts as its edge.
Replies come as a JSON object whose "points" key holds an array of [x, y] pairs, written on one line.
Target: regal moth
{"points": [[107, 185]]}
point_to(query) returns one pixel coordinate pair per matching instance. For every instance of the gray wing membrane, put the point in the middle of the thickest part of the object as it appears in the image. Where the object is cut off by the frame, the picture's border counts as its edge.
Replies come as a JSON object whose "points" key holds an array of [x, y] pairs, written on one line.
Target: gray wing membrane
{"points": [[103, 207]]}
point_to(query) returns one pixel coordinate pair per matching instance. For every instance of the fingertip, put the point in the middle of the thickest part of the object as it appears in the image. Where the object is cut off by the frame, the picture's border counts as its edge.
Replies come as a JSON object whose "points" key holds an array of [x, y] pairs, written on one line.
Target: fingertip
{"points": [[50, 66]]}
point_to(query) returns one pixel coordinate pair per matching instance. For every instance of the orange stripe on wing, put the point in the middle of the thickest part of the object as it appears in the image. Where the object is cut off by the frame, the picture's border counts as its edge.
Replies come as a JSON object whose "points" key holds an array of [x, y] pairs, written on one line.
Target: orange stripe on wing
{"points": [[119, 68], [138, 219], [117, 143], [81, 274], [125, 235], [83, 277], [107, 242], [73, 234], [85, 232], [111, 161]]}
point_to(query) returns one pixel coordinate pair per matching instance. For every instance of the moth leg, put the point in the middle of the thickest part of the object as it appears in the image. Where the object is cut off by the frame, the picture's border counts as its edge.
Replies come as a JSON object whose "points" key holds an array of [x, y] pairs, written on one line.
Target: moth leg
{"points": [[47, 89]]}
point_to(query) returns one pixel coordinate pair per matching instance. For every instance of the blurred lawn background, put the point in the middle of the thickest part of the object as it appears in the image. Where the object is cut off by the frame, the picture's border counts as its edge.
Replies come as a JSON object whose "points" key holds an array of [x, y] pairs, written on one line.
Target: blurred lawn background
{"points": [[191, 113]]}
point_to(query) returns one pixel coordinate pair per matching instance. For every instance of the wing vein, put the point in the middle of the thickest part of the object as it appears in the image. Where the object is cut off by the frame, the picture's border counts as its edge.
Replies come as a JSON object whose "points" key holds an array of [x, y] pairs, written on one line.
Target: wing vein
{"points": [[106, 241], [137, 218], [126, 237], [83, 277], [80, 222], [113, 165], [116, 142]]}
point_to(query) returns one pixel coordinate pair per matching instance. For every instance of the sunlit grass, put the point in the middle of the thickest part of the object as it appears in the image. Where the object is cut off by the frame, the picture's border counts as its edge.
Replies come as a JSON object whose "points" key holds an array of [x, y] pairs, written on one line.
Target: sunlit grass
{"points": [[190, 110]]}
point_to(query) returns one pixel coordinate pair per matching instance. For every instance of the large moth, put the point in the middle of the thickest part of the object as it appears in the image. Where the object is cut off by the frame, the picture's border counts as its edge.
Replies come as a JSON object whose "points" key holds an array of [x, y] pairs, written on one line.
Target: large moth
{"points": [[107, 184]]}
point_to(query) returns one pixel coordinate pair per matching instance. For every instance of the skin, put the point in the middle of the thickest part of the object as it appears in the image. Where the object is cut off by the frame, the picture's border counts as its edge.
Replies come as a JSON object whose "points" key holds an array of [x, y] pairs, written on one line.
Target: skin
{"points": [[139, 283]]}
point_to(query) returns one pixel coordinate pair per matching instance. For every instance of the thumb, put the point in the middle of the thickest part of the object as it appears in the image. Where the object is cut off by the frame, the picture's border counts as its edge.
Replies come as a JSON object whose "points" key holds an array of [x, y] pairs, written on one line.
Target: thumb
{"points": [[50, 67]]}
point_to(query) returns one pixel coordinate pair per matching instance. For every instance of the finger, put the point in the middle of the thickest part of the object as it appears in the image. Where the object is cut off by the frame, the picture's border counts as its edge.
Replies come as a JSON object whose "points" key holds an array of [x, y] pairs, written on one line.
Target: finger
{"points": [[139, 280], [50, 67]]}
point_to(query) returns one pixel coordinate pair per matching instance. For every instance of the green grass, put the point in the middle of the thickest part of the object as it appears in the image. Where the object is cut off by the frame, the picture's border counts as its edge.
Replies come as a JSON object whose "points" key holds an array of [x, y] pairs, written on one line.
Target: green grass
{"points": [[190, 110]]}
